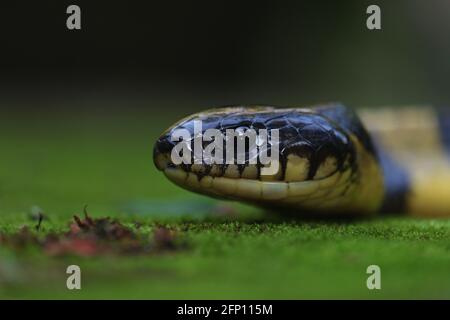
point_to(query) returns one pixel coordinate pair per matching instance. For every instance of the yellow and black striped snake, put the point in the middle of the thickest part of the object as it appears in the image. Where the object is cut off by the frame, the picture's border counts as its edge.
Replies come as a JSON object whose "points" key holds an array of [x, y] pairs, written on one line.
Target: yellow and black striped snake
{"points": [[333, 160]]}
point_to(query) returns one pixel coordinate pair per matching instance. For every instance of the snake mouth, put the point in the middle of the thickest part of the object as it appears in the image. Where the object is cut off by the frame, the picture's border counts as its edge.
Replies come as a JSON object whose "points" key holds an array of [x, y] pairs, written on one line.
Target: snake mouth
{"points": [[308, 193], [316, 158]]}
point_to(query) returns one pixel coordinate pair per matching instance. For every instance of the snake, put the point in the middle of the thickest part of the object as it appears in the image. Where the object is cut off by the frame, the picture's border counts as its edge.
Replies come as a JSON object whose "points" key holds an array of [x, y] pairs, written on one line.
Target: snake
{"points": [[333, 160]]}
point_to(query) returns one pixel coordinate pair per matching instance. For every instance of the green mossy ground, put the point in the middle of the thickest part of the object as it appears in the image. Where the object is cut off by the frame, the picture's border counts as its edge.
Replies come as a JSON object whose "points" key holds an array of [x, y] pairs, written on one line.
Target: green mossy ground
{"points": [[60, 162]]}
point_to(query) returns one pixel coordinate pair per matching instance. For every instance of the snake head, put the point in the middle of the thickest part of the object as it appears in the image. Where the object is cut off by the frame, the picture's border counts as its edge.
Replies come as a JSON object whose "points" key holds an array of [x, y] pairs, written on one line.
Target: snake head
{"points": [[308, 159]]}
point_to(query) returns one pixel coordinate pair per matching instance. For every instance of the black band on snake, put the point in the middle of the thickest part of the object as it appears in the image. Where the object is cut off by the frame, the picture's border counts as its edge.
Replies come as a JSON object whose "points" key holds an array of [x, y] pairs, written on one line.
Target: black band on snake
{"points": [[333, 160]]}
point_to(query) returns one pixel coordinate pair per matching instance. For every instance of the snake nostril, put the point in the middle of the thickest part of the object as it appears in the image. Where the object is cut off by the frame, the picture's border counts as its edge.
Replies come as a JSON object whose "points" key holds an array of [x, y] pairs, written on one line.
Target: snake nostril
{"points": [[162, 151], [164, 144]]}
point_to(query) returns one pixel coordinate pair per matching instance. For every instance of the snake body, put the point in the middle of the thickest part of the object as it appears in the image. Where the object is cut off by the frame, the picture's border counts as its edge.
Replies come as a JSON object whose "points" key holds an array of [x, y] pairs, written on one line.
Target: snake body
{"points": [[333, 160]]}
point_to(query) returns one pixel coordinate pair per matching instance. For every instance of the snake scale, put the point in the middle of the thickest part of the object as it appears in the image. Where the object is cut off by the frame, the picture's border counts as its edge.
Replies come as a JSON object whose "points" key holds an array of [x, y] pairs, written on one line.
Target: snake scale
{"points": [[334, 160]]}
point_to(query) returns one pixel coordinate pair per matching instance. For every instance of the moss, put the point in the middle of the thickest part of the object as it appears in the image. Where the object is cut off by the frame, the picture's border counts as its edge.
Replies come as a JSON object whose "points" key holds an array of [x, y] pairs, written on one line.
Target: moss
{"points": [[106, 163]]}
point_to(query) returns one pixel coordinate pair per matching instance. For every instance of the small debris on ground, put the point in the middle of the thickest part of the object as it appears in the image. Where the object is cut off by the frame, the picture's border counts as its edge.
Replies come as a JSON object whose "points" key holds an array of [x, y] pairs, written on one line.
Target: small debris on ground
{"points": [[37, 214], [91, 237]]}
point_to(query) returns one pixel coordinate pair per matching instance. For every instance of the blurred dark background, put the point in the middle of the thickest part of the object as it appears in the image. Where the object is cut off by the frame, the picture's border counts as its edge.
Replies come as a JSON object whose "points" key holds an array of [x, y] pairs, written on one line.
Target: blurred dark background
{"points": [[196, 54]]}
